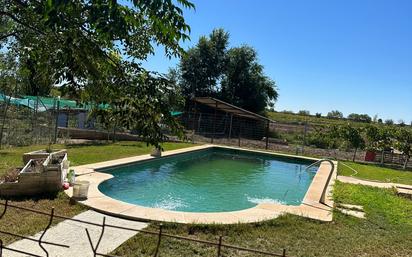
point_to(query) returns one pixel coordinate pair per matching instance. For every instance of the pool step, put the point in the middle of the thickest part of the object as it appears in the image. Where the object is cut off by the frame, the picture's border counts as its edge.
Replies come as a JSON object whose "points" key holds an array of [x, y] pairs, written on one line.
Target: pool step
{"points": [[351, 207], [352, 210], [404, 191]]}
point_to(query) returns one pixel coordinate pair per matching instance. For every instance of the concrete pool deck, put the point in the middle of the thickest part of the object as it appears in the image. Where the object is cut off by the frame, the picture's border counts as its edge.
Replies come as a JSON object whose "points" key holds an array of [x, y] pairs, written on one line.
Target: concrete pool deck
{"points": [[311, 206]]}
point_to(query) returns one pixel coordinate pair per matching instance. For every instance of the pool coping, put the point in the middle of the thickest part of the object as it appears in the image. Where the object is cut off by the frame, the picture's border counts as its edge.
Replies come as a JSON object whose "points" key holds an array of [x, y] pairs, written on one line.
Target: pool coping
{"points": [[311, 206]]}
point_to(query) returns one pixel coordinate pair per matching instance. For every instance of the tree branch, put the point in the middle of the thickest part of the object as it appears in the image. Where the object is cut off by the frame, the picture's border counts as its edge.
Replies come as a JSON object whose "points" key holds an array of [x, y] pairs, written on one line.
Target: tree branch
{"points": [[2, 13], [2, 37]]}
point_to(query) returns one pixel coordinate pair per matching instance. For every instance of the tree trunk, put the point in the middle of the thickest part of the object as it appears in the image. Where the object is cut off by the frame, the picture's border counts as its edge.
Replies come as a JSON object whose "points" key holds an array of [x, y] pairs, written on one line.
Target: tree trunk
{"points": [[354, 155]]}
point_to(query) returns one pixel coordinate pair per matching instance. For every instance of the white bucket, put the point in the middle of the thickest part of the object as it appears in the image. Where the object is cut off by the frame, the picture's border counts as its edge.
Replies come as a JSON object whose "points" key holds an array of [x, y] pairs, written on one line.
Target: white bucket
{"points": [[80, 189]]}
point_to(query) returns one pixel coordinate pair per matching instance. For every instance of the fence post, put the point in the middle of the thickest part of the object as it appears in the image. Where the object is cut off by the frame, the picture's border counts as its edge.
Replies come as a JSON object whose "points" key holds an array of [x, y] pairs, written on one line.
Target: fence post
{"points": [[267, 135], [158, 241], [305, 131], [57, 120], [198, 123], [240, 130], [284, 252], [219, 246], [1, 248], [230, 127], [214, 122]]}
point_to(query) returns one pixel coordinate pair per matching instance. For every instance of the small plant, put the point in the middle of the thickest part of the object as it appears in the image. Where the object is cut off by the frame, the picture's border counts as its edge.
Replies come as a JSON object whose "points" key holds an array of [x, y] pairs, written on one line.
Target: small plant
{"points": [[49, 148]]}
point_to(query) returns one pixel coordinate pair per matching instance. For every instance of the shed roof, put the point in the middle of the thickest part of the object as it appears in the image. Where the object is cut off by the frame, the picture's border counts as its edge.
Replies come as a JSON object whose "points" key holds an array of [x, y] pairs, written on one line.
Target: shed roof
{"points": [[230, 108]]}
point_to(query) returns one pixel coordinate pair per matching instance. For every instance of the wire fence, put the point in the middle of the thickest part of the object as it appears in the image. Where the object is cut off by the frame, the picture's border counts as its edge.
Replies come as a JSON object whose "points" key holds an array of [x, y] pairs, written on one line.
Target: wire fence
{"points": [[51, 123], [24, 126], [295, 138], [219, 245], [45, 123]]}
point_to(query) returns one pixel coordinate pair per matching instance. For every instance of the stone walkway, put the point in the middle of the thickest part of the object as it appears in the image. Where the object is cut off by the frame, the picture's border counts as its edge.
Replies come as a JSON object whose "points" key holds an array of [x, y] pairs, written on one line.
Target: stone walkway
{"points": [[74, 234], [403, 190], [353, 180]]}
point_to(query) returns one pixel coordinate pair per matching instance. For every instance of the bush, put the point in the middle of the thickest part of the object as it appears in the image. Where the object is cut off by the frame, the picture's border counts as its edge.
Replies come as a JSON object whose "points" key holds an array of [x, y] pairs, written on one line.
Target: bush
{"points": [[321, 140]]}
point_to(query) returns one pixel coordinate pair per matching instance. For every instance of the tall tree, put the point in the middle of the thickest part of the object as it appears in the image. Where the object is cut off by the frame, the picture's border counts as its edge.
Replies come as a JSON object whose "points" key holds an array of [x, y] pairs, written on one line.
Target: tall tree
{"points": [[244, 83], [231, 74], [201, 67]]}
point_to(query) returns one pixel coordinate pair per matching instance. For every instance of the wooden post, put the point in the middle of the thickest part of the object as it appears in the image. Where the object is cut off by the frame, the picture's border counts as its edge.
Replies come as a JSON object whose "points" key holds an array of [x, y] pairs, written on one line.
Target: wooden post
{"points": [[194, 123], [198, 122], [304, 136], [240, 130], [57, 120], [194, 116], [230, 127], [219, 247], [267, 135], [158, 241], [214, 123]]}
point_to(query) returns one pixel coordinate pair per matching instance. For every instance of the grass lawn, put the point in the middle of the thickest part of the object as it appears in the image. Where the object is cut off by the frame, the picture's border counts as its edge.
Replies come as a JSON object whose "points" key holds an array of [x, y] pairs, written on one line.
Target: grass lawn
{"points": [[27, 223], [377, 173], [387, 231], [84, 153]]}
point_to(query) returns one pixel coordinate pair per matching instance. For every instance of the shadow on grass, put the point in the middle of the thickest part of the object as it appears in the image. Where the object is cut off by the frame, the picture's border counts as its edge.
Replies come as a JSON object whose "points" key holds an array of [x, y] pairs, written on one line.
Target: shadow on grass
{"points": [[34, 198]]}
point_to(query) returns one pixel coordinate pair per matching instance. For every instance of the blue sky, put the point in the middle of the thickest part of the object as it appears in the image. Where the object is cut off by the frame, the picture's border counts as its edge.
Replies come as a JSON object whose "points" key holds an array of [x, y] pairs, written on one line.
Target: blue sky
{"points": [[349, 55]]}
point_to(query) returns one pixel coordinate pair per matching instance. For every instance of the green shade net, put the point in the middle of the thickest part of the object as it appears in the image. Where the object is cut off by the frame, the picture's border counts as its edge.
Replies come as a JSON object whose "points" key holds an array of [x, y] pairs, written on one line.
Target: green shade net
{"points": [[48, 103]]}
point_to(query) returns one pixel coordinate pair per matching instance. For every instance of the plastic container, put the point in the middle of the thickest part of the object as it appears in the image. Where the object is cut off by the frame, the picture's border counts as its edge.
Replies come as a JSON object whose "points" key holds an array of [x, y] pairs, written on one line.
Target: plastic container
{"points": [[80, 189]]}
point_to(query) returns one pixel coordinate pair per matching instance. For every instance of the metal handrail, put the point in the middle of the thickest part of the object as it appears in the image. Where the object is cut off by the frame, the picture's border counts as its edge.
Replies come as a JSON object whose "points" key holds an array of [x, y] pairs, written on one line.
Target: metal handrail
{"points": [[322, 197]]}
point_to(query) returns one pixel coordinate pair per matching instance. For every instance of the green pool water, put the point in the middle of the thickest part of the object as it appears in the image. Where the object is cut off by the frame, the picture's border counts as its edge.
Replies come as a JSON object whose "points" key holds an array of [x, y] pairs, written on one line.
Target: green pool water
{"points": [[212, 180]]}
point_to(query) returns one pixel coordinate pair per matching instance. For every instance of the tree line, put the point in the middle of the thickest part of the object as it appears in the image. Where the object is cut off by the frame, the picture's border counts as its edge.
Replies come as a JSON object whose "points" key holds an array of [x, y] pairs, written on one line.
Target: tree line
{"points": [[371, 137], [336, 114]]}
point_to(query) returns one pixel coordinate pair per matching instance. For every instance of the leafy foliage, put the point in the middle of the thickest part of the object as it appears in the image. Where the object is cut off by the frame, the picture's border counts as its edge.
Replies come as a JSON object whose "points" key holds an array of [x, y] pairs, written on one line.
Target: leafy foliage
{"points": [[352, 136], [202, 66], [93, 48], [360, 117], [335, 114], [244, 83], [145, 108], [233, 75], [404, 143]]}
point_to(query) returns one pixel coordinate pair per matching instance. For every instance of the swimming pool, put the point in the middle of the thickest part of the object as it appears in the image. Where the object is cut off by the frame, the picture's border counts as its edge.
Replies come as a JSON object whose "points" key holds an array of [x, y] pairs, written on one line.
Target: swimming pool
{"points": [[211, 180]]}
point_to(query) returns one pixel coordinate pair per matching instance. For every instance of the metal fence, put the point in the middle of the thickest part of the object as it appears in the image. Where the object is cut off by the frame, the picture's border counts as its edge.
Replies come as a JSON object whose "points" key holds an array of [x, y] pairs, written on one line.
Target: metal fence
{"points": [[20, 125], [294, 138], [24, 126], [43, 124], [219, 245]]}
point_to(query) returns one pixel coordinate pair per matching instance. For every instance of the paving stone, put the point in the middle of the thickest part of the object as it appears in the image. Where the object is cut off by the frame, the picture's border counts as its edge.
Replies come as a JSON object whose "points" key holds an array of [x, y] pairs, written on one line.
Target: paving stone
{"points": [[351, 206], [74, 234], [356, 214]]}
